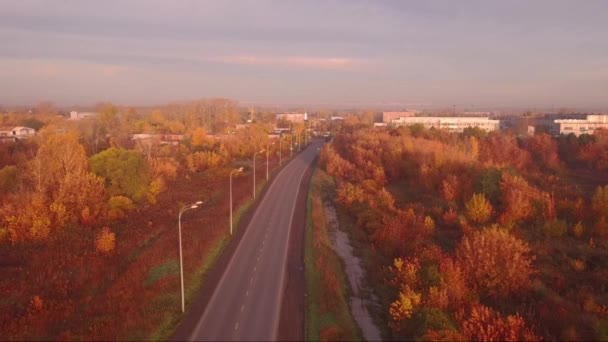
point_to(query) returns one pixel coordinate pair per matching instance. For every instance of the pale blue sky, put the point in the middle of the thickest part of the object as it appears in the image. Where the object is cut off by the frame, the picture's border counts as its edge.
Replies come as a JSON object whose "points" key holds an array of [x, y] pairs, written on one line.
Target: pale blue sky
{"points": [[503, 53]]}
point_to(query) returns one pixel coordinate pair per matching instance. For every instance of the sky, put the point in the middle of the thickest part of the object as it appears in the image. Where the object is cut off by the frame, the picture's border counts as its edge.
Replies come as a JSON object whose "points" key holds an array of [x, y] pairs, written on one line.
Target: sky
{"points": [[411, 53]]}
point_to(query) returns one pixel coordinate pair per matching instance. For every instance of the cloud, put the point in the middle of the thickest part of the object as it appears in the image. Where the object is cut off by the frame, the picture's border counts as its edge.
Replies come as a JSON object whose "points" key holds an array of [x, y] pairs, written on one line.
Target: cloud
{"points": [[332, 63]]}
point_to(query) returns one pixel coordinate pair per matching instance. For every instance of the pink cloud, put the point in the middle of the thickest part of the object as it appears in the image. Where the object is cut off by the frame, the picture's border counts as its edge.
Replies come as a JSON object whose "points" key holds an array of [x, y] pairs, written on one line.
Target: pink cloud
{"points": [[291, 61], [113, 70]]}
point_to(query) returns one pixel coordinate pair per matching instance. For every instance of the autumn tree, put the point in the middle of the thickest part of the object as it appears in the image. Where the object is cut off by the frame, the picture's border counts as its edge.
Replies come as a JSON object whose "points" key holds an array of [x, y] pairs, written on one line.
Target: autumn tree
{"points": [[59, 156], [478, 209], [484, 324], [599, 203], [8, 179], [199, 138], [450, 188], [522, 201], [543, 150], [488, 183], [126, 173], [27, 218], [496, 263]]}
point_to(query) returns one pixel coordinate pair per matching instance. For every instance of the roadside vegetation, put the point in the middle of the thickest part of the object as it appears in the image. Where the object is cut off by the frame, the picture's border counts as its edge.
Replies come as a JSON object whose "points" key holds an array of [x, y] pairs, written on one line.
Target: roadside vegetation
{"points": [[328, 316], [477, 236]]}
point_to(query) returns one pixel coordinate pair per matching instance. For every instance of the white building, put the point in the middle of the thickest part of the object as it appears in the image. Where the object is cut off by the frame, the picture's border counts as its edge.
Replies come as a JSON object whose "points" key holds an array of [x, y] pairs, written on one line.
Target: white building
{"points": [[292, 117], [74, 115], [388, 117], [579, 126], [452, 124], [16, 133]]}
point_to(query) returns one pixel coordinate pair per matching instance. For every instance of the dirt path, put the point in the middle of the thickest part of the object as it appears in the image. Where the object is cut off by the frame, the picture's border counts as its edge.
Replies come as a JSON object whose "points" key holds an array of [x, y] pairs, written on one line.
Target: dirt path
{"points": [[355, 274]]}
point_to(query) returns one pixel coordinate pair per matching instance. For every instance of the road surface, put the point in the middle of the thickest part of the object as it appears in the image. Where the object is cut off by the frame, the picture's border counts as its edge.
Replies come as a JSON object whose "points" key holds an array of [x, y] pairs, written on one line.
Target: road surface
{"points": [[246, 303]]}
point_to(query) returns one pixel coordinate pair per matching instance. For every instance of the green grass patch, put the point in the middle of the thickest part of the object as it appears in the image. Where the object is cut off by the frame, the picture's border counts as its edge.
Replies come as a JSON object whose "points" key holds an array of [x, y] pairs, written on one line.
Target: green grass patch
{"points": [[160, 271], [339, 314]]}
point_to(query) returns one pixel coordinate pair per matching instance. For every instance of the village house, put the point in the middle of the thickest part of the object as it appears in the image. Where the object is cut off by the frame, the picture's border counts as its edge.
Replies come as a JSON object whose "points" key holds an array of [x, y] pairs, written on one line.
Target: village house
{"points": [[8, 134]]}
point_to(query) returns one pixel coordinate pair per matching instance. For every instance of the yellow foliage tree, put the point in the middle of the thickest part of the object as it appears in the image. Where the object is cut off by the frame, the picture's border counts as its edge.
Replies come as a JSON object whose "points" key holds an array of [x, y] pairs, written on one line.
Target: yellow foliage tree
{"points": [[403, 307], [478, 209]]}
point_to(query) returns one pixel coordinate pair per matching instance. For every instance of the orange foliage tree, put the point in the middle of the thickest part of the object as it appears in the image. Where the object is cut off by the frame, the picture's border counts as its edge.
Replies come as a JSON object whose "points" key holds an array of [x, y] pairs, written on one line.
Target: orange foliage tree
{"points": [[484, 324], [496, 263]]}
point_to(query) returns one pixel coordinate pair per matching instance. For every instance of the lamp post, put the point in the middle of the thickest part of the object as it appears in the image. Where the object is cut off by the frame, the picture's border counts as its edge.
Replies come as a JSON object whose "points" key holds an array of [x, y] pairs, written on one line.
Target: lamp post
{"points": [[280, 150], [181, 261], [291, 144], [231, 172], [267, 151], [254, 171]]}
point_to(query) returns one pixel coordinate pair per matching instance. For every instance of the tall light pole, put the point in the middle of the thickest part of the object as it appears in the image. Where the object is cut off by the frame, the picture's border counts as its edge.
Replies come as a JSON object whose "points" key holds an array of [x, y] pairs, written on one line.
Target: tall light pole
{"points": [[181, 261], [291, 144], [280, 150], [231, 172], [267, 151], [254, 171]]}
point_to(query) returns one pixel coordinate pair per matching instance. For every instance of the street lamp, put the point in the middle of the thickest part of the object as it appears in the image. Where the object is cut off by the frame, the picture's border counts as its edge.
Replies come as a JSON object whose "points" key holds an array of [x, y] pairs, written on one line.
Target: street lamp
{"points": [[267, 150], [280, 150], [231, 172], [181, 261], [254, 171]]}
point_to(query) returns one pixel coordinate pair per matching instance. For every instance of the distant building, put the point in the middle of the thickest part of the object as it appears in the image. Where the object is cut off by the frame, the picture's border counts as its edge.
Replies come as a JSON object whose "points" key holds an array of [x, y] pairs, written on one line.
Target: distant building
{"points": [[582, 126], [292, 117], [74, 115], [452, 124], [388, 117], [8, 134], [163, 139]]}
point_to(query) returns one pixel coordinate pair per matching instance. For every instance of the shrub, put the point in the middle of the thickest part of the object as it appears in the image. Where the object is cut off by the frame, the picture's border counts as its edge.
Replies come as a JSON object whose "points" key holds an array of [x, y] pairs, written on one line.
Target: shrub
{"points": [[118, 206], [555, 228], [105, 241], [578, 230]]}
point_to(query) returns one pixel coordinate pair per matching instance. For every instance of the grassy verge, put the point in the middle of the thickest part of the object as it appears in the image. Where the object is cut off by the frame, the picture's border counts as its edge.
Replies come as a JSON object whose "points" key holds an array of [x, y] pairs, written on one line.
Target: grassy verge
{"points": [[172, 319], [328, 315]]}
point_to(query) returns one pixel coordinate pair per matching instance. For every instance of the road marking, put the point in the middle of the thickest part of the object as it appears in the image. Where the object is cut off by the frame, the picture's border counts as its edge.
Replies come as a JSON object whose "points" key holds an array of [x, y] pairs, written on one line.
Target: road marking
{"points": [[236, 327], [255, 268], [251, 280], [242, 307], [247, 293]]}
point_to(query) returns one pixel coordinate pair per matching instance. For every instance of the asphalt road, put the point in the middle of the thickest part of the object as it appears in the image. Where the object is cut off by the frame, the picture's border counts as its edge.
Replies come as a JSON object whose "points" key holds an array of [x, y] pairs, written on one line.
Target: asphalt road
{"points": [[246, 303]]}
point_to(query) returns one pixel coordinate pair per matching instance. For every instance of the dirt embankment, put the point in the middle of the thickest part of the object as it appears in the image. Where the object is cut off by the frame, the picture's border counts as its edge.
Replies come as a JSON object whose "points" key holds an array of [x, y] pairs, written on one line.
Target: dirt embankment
{"points": [[355, 274]]}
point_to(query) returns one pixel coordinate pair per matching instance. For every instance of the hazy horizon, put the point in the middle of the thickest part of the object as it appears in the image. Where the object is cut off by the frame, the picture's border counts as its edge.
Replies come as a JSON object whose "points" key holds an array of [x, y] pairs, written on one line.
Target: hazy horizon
{"points": [[438, 53]]}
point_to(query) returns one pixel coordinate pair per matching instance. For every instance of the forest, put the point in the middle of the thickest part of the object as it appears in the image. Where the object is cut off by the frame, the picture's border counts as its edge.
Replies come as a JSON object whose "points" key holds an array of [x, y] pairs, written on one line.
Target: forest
{"points": [[476, 235]]}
